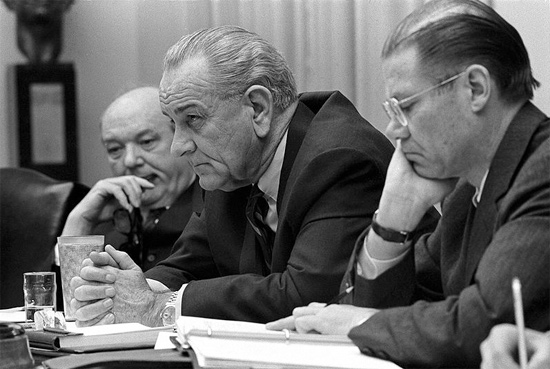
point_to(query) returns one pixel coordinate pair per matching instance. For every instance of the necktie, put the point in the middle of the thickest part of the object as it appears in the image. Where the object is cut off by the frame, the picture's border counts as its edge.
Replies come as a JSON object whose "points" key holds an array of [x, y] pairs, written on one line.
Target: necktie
{"points": [[131, 225], [256, 210]]}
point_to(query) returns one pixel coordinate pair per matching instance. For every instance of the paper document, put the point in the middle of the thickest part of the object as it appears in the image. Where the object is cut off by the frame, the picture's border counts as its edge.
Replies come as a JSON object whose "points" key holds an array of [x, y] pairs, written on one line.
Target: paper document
{"points": [[13, 315], [185, 324], [235, 344], [228, 353], [107, 328]]}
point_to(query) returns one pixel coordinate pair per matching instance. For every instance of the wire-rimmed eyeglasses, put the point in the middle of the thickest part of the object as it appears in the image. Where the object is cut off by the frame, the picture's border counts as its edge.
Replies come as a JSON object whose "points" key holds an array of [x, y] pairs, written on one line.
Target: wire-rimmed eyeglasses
{"points": [[392, 106]]}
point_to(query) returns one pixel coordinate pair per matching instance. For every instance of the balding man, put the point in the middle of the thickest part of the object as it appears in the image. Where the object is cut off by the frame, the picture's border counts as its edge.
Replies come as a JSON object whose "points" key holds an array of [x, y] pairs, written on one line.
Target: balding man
{"points": [[142, 209]]}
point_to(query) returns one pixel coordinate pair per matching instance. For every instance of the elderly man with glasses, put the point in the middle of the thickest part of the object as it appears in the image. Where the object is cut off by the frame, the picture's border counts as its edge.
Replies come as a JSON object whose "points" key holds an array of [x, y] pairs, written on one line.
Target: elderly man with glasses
{"points": [[467, 136]]}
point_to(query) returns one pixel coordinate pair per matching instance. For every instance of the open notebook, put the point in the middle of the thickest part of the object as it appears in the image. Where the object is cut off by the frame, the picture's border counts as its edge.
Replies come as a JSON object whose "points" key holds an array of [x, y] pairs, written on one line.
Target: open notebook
{"points": [[233, 344]]}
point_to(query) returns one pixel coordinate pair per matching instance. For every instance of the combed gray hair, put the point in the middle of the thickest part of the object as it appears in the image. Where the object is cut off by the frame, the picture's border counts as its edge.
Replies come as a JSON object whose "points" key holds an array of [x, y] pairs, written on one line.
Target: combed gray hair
{"points": [[236, 59], [452, 34]]}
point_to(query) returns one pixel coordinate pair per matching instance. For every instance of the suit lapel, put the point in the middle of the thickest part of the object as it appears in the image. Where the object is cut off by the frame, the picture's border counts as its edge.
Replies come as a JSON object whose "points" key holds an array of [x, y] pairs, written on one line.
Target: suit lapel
{"points": [[296, 133], [504, 165], [297, 129]]}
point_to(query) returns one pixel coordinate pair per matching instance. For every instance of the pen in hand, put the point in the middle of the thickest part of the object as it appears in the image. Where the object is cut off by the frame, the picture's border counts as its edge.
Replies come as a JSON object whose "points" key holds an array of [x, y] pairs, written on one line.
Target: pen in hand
{"points": [[518, 310], [340, 296]]}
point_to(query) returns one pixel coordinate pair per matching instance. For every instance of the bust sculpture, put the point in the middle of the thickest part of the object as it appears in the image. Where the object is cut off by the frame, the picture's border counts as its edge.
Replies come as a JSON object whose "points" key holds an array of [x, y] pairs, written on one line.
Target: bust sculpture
{"points": [[39, 28]]}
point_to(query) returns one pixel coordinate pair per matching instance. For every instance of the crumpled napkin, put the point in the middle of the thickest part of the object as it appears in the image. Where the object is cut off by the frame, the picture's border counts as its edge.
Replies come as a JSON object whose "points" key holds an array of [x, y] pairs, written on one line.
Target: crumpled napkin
{"points": [[48, 318]]}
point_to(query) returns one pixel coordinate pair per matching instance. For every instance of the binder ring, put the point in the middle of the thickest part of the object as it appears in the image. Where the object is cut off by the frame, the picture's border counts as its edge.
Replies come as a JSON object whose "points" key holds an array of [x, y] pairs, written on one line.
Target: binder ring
{"points": [[287, 334]]}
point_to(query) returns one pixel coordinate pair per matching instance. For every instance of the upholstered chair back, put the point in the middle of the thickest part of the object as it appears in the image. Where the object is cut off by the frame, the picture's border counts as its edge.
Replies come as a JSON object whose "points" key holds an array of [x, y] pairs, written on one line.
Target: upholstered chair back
{"points": [[33, 210]]}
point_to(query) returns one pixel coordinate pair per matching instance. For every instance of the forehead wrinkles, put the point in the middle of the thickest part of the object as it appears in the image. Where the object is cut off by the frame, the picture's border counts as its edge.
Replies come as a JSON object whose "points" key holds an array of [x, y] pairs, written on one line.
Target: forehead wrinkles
{"points": [[198, 96], [189, 78]]}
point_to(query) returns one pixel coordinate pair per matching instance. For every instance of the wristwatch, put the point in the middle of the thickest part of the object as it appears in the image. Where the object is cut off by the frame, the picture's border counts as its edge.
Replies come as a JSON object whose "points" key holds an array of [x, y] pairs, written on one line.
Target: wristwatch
{"points": [[168, 313], [388, 234]]}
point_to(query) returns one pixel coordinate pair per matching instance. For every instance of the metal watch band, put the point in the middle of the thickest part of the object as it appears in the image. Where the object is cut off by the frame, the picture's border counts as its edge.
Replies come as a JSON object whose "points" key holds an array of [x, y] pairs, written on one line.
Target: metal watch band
{"points": [[388, 234], [173, 298], [168, 314]]}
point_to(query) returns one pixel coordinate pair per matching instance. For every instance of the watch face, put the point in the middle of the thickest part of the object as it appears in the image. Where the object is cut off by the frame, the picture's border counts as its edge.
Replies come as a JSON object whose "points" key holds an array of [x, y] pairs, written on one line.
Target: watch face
{"points": [[169, 315]]}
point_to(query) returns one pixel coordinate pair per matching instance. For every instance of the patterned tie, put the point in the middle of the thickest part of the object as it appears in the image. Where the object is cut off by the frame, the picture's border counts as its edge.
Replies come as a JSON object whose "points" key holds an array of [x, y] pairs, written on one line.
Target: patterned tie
{"points": [[256, 211]]}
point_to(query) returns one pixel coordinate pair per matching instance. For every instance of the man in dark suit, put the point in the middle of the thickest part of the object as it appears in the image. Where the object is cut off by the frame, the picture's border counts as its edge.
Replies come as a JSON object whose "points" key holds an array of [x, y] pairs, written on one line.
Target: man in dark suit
{"points": [[239, 122], [143, 209], [459, 83]]}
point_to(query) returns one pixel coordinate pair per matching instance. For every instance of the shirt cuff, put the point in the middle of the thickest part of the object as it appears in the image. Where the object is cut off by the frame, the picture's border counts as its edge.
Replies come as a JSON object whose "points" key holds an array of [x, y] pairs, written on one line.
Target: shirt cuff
{"points": [[179, 300], [156, 286], [371, 268], [56, 254]]}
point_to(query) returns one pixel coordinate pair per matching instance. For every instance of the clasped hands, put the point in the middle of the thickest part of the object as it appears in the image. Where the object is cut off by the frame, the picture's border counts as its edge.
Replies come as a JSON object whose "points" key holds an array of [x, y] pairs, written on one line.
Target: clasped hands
{"points": [[112, 288]]}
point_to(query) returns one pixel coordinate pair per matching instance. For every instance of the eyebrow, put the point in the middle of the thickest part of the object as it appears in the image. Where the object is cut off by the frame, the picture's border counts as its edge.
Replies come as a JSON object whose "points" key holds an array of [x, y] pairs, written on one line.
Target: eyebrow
{"points": [[147, 131], [180, 109], [199, 108]]}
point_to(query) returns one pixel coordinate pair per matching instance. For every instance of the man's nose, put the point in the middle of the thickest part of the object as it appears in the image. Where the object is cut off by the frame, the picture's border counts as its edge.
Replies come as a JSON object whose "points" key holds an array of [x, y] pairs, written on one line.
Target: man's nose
{"points": [[182, 144], [132, 156], [395, 130]]}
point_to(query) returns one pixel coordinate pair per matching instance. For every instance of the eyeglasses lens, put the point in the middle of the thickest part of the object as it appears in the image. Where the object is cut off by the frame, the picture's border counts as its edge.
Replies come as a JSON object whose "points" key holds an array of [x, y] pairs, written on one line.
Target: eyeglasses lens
{"points": [[394, 112]]}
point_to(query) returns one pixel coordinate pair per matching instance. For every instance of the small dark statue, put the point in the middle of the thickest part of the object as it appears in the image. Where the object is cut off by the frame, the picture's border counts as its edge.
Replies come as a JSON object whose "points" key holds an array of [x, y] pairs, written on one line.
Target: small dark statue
{"points": [[39, 28]]}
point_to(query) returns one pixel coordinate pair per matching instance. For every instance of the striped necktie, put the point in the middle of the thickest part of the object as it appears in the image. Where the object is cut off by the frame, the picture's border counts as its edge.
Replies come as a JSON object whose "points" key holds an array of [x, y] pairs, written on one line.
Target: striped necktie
{"points": [[256, 211]]}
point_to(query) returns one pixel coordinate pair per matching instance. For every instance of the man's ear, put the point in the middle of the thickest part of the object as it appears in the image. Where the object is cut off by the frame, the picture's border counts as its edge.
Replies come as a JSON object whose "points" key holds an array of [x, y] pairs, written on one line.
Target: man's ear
{"points": [[261, 100], [479, 84]]}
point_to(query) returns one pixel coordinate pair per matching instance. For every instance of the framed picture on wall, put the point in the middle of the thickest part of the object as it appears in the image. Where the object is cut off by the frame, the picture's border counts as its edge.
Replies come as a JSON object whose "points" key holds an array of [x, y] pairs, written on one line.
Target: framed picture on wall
{"points": [[46, 110]]}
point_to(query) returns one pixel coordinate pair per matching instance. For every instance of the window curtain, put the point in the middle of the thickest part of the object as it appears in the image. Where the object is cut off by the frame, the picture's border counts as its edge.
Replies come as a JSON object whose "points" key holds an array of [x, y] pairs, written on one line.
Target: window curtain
{"points": [[329, 44]]}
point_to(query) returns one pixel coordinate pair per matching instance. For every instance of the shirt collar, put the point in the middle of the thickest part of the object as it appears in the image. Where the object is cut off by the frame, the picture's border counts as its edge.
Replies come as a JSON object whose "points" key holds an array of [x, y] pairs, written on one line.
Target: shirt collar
{"points": [[477, 196], [269, 181]]}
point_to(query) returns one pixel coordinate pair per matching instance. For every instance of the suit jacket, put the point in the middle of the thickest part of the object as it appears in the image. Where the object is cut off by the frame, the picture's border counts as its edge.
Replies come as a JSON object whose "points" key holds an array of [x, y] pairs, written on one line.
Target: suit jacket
{"points": [[464, 269], [331, 180], [159, 240]]}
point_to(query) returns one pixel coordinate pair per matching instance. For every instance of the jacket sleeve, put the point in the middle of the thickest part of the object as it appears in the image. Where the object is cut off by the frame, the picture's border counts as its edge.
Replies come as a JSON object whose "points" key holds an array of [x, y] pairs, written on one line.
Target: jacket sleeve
{"points": [[319, 220], [447, 330], [190, 257]]}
